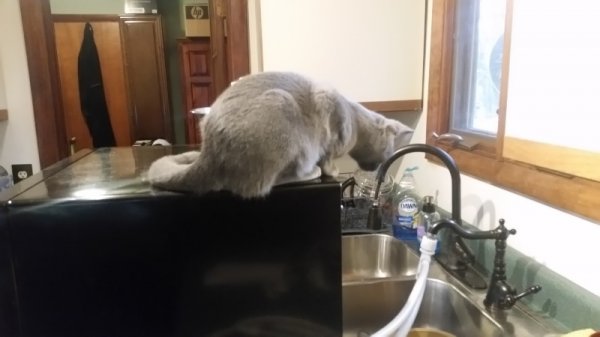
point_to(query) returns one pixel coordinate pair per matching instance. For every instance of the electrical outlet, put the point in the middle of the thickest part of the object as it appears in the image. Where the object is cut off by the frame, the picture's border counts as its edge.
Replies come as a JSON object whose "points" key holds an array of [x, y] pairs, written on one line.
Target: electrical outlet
{"points": [[21, 171]]}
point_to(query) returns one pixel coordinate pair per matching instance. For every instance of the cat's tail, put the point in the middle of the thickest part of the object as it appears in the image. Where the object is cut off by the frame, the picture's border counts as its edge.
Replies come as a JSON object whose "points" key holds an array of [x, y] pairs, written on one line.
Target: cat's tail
{"points": [[173, 173]]}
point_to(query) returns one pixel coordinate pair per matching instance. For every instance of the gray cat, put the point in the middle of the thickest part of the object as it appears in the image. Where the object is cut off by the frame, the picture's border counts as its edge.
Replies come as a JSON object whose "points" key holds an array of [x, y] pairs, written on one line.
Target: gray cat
{"points": [[272, 128]]}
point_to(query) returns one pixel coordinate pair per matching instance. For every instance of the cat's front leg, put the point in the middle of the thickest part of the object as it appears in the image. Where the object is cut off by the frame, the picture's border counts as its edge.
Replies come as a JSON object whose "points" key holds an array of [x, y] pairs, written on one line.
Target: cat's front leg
{"points": [[328, 167]]}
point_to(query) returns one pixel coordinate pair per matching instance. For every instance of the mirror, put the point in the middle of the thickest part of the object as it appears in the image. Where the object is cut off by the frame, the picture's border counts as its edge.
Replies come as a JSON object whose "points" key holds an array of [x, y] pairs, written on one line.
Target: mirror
{"points": [[228, 57], [364, 53], [125, 48]]}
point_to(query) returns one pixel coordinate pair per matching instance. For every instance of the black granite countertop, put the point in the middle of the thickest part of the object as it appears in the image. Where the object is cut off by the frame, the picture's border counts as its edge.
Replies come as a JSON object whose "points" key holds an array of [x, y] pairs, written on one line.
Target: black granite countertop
{"points": [[115, 172]]}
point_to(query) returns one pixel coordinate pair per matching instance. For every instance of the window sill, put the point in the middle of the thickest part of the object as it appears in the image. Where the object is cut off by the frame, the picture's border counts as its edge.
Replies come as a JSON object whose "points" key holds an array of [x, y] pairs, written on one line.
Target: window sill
{"points": [[568, 193], [394, 106]]}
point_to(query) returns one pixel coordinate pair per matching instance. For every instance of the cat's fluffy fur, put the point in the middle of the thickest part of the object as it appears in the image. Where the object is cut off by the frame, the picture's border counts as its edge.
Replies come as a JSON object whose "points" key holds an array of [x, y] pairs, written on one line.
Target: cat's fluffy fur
{"points": [[276, 127]]}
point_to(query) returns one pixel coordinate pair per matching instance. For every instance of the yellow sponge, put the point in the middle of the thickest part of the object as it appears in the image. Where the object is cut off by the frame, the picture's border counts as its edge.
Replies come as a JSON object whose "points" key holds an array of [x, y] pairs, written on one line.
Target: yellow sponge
{"points": [[580, 333]]}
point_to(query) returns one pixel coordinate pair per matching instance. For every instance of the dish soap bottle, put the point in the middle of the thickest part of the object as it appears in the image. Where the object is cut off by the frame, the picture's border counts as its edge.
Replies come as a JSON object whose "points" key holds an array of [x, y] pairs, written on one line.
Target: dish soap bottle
{"points": [[408, 207]]}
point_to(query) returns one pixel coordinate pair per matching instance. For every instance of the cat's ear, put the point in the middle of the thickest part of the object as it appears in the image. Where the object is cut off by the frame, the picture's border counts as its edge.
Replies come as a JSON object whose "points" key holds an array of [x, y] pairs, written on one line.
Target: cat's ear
{"points": [[400, 131]]}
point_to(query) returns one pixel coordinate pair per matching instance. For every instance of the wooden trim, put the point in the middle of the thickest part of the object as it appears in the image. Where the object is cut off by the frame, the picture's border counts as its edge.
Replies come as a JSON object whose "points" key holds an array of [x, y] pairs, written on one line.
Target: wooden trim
{"points": [[217, 45], [570, 194], [237, 39], [38, 32], [393, 106], [571, 161], [3, 114], [440, 68], [504, 79], [229, 43]]}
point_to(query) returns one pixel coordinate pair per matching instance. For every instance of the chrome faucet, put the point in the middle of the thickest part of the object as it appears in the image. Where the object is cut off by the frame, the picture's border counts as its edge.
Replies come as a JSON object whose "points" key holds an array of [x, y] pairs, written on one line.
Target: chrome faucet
{"points": [[465, 254], [500, 294]]}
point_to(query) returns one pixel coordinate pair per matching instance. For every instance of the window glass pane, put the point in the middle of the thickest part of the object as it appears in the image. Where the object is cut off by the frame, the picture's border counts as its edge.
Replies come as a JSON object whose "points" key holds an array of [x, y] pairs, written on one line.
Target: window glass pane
{"points": [[478, 50]]}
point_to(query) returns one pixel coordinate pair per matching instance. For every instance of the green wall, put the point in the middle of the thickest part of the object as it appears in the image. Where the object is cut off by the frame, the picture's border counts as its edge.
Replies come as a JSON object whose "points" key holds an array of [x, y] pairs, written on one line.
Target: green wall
{"points": [[87, 6], [173, 29]]}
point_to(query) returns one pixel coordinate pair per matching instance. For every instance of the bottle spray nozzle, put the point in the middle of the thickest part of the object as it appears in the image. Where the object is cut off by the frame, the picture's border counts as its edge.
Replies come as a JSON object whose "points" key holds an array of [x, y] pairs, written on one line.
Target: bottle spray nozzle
{"points": [[410, 169]]}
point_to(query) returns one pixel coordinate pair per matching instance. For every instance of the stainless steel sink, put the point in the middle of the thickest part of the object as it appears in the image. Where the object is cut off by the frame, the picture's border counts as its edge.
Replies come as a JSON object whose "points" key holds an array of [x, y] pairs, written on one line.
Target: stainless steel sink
{"points": [[369, 306], [376, 256], [378, 274]]}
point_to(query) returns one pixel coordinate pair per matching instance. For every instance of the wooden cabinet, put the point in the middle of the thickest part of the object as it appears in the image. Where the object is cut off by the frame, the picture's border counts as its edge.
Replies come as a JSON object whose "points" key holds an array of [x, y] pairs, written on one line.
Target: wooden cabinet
{"points": [[196, 82], [146, 77]]}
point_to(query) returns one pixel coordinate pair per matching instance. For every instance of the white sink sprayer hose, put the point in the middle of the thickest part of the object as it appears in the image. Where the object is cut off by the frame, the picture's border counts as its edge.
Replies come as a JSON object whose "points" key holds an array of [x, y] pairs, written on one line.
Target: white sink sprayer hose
{"points": [[402, 323]]}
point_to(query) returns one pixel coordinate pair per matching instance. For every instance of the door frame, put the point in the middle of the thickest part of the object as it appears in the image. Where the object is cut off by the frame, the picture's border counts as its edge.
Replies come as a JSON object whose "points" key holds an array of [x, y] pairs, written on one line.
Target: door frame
{"points": [[38, 32]]}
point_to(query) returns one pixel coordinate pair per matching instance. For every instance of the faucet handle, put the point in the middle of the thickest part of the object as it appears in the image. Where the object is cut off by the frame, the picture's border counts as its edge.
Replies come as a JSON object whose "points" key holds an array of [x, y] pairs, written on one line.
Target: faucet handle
{"points": [[500, 292], [503, 232], [530, 290], [509, 297]]}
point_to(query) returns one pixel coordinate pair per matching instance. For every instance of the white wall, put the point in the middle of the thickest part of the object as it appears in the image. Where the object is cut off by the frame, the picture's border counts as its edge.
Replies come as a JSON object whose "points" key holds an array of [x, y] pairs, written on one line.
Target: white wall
{"points": [[369, 51], [18, 142], [255, 36], [2, 90], [565, 243]]}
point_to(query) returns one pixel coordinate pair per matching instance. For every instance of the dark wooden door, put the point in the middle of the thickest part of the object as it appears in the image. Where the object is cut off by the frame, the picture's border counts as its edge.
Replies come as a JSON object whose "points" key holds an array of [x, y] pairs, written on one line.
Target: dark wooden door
{"points": [[68, 34], [196, 82], [147, 77]]}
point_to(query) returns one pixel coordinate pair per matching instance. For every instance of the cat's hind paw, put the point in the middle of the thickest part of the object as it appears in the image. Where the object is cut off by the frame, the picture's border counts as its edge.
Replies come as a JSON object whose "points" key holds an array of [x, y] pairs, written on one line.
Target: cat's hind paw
{"points": [[314, 174], [330, 169]]}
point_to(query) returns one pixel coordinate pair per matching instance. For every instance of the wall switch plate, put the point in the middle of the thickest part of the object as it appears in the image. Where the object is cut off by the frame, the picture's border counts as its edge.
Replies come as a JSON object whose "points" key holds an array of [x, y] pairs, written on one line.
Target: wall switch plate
{"points": [[21, 171]]}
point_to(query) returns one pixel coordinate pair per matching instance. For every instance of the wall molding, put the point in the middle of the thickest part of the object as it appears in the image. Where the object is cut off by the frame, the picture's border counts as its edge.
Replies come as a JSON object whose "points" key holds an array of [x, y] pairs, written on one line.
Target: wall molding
{"points": [[393, 106]]}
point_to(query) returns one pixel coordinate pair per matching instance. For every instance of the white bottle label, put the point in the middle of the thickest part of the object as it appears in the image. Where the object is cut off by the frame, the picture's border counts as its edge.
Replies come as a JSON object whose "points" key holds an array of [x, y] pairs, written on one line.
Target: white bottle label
{"points": [[407, 210]]}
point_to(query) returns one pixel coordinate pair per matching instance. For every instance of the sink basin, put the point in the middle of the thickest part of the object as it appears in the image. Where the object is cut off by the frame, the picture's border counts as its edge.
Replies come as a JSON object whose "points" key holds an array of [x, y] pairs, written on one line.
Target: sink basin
{"points": [[367, 307], [376, 256], [378, 274]]}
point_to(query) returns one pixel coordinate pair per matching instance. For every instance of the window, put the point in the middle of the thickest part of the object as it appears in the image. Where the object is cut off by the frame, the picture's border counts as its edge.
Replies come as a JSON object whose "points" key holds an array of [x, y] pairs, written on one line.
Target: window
{"points": [[477, 64], [468, 84]]}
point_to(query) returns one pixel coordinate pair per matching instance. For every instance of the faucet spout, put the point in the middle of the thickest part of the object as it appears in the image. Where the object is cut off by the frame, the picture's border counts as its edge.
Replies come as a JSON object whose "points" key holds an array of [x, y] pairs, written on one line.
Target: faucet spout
{"points": [[499, 233], [442, 155], [465, 252]]}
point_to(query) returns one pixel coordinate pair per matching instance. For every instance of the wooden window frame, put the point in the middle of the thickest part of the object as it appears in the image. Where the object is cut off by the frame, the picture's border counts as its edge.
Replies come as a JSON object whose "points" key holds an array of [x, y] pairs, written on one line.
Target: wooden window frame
{"points": [[485, 162]]}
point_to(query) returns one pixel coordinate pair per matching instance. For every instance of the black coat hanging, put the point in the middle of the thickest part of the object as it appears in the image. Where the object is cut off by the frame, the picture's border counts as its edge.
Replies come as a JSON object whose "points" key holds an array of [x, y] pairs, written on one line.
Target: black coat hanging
{"points": [[91, 92]]}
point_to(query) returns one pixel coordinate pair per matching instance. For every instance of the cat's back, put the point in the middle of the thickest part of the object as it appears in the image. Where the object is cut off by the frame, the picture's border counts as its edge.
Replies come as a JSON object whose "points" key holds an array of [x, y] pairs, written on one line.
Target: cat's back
{"points": [[254, 85]]}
